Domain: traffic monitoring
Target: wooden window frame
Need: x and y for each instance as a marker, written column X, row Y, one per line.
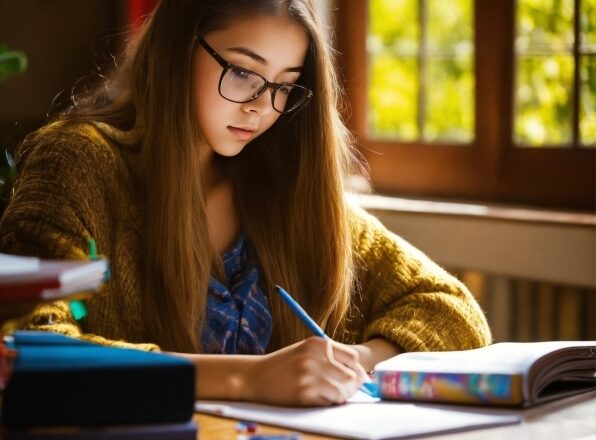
column 491, row 168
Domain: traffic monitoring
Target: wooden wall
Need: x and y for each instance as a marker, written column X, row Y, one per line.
column 63, row 39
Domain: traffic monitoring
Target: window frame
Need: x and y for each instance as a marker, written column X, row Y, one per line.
column 490, row 168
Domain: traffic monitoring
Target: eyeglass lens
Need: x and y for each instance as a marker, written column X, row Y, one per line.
column 241, row 85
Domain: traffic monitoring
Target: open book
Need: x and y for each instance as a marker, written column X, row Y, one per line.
column 28, row 278
column 506, row 373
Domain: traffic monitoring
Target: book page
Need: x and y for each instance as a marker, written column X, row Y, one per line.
column 500, row 358
column 15, row 264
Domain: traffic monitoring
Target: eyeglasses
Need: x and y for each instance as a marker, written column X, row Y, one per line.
column 241, row 85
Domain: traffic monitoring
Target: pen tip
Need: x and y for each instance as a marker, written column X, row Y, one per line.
column 370, row 388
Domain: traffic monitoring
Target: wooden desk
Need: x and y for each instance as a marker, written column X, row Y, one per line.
column 568, row 419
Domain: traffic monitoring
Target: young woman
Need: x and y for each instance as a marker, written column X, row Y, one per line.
column 209, row 167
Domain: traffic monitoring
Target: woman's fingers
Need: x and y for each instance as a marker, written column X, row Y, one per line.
column 313, row 372
column 324, row 383
column 348, row 357
column 335, row 392
column 340, row 374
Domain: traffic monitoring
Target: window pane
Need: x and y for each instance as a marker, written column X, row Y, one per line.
column 450, row 79
column 544, row 73
column 587, row 115
column 421, row 79
column 544, row 100
column 588, row 26
column 587, row 122
column 544, row 26
column 393, row 82
column 450, row 112
column 392, row 47
column 394, row 24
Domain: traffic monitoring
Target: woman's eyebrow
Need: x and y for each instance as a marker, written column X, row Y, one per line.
column 258, row 58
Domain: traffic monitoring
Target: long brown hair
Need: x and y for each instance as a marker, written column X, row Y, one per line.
column 288, row 183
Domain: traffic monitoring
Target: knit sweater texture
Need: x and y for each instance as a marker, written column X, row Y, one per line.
column 84, row 186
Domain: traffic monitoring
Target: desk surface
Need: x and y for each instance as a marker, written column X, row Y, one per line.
column 568, row 419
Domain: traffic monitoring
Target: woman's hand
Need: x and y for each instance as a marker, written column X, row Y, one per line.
column 313, row 372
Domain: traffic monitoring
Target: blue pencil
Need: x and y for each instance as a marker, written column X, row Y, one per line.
column 367, row 387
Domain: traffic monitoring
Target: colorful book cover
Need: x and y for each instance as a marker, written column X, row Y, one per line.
column 505, row 373
column 490, row 389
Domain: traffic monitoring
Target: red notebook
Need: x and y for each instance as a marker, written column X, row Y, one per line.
column 27, row 278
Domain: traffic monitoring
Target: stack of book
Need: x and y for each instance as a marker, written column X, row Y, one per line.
column 66, row 388
column 28, row 281
column 56, row 387
column 31, row 278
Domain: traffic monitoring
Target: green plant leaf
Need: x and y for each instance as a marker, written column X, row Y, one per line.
column 11, row 63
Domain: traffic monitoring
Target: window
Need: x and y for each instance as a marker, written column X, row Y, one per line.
column 478, row 100
column 555, row 71
column 421, row 73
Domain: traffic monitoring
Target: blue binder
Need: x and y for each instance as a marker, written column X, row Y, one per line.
column 60, row 381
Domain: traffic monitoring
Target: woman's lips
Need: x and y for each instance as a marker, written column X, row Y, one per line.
column 241, row 133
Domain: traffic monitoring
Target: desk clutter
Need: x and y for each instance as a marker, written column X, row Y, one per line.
column 31, row 278
column 26, row 282
column 66, row 388
column 57, row 387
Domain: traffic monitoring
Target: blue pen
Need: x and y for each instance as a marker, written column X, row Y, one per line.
column 367, row 387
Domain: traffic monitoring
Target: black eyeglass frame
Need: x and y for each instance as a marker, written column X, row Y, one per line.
column 267, row 84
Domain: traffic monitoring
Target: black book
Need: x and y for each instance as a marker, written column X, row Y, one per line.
column 62, row 381
column 153, row 431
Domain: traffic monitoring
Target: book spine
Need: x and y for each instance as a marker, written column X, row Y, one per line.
column 489, row 389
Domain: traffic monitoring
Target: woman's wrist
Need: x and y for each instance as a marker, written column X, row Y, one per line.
column 223, row 377
column 374, row 351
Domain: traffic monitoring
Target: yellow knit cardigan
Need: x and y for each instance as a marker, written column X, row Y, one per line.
column 84, row 186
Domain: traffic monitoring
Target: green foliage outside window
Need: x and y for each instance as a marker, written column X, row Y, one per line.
column 587, row 115
column 421, row 72
column 545, row 68
column 421, row 83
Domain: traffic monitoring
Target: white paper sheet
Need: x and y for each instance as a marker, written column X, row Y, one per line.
column 14, row 264
column 361, row 419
